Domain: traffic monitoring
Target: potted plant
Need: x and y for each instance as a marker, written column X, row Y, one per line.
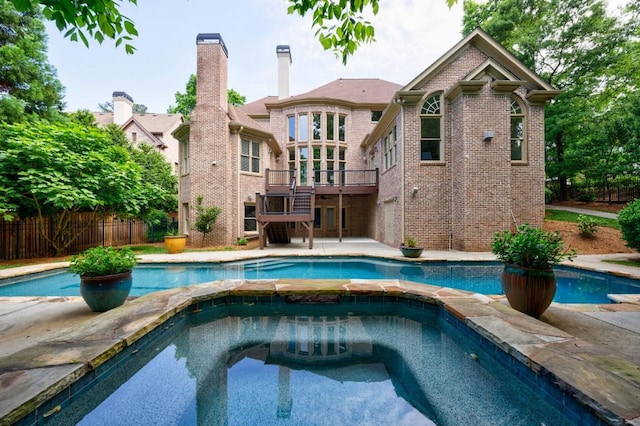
column 105, row 276
column 529, row 254
column 409, row 249
column 174, row 241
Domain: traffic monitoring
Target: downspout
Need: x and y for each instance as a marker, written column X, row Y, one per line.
column 402, row 183
column 450, row 182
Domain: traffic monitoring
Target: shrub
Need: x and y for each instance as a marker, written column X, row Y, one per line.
column 100, row 261
column 410, row 242
column 158, row 224
column 588, row 225
column 242, row 241
column 587, row 197
column 629, row 220
column 205, row 217
column 530, row 247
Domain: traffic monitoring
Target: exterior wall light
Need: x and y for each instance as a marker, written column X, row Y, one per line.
column 487, row 136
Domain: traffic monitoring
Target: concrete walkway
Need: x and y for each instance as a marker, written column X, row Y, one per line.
column 29, row 322
column 582, row 211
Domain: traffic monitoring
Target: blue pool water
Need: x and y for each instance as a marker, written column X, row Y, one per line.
column 319, row 366
column 574, row 286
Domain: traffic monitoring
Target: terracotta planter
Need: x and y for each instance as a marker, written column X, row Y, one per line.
column 105, row 292
column 529, row 291
column 175, row 243
column 411, row 251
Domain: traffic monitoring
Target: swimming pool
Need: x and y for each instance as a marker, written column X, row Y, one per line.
column 574, row 286
column 313, row 365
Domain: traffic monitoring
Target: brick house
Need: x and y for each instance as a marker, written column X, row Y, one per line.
column 154, row 129
column 448, row 159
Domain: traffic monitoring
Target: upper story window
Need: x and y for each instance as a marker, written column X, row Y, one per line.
column 303, row 127
column 317, row 126
column 375, row 116
column 331, row 126
column 250, row 156
column 184, row 158
column 518, row 146
column 342, row 128
column 389, row 149
column 292, row 127
column 431, row 129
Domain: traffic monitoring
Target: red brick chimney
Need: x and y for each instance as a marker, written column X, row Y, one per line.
column 211, row 83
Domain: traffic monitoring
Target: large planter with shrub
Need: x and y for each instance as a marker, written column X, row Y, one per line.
column 529, row 253
column 105, row 276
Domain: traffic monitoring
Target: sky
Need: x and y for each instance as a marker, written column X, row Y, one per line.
column 410, row 35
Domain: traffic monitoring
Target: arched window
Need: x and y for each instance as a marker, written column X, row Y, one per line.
column 430, row 130
column 518, row 145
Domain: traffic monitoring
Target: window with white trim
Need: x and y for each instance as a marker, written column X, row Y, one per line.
column 431, row 130
column 184, row 159
column 250, row 156
column 517, row 137
column 389, row 149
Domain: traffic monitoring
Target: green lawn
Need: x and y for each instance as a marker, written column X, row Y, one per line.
column 635, row 263
column 565, row 216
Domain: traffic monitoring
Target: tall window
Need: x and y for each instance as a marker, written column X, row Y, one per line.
column 317, row 127
column 303, row 127
column 303, row 163
column 317, row 163
column 330, row 164
column 430, row 130
column 517, row 132
column 184, row 159
column 292, row 128
column 342, row 128
column 389, row 149
column 250, row 156
column 330, row 126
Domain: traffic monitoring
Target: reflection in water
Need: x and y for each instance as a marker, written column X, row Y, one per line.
column 322, row 369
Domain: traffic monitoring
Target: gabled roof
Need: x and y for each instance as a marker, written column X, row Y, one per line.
column 502, row 65
column 257, row 108
column 150, row 124
column 247, row 125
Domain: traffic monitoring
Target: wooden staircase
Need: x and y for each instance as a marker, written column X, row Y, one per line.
column 278, row 233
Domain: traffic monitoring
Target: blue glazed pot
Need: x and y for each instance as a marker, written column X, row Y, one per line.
column 105, row 292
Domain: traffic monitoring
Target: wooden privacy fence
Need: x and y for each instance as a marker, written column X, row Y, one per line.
column 21, row 238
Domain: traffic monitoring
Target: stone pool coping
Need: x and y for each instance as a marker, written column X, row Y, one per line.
column 32, row 379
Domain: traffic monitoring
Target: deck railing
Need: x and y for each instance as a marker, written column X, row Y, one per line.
column 324, row 178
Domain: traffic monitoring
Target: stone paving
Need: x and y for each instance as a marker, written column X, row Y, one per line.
column 591, row 350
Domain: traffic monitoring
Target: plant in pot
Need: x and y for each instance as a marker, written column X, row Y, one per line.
column 105, row 276
column 529, row 254
column 174, row 241
column 409, row 249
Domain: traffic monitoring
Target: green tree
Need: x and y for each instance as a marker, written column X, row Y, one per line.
column 157, row 172
column 572, row 45
column 58, row 169
column 83, row 117
column 185, row 102
column 29, row 87
column 205, row 218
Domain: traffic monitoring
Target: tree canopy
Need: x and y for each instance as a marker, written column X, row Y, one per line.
column 29, row 87
column 185, row 102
